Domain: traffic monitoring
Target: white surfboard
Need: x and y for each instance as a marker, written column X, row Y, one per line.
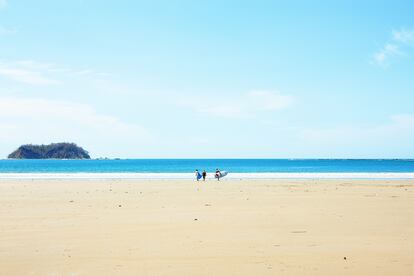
column 223, row 174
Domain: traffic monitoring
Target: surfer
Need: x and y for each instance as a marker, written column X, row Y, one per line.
column 204, row 175
column 197, row 175
column 218, row 174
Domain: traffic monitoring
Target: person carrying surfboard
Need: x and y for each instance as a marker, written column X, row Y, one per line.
column 218, row 174
column 197, row 175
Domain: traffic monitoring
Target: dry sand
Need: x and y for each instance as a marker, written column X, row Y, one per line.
column 261, row 227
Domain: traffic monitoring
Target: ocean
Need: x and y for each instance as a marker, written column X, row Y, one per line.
column 184, row 168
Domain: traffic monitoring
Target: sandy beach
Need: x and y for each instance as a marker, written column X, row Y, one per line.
column 182, row 227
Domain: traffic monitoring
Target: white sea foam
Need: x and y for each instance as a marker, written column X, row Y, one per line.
column 385, row 175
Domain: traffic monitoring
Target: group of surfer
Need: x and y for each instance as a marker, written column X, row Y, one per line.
column 203, row 175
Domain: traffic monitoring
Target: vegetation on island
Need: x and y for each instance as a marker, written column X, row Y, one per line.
column 52, row 151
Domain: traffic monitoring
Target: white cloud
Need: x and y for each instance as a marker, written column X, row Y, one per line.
column 90, row 72
column 40, row 73
column 403, row 121
column 268, row 100
column 397, row 132
column 383, row 56
column 36, row 120
column 400, row 43
column 3, row 3
column 27, row 72
column 403, row 36
column 248, row 104
column 84, row 72
column 33, row 65
column 26, row 76
column 221, row 110
column 7, row 31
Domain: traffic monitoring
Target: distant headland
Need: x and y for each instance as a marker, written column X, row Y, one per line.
column 52, row 151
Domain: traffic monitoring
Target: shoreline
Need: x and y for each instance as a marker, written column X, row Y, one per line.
column 210, row 176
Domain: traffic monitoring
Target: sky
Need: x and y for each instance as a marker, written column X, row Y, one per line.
column 209, row 79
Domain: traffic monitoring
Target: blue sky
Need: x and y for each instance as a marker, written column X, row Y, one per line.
column 217, row 79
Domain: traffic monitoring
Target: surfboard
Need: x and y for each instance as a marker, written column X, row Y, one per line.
column 223, row 174
column 199, row 176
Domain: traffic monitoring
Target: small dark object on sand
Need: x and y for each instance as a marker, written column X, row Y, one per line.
column 344, row 258
column 119, row 205
column 195, row 219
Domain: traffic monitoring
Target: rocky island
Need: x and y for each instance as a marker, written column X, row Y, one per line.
column 52, row 151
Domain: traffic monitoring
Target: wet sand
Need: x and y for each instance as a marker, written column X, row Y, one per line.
column 181, row 227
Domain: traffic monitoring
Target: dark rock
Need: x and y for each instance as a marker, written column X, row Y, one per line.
column 52, row 151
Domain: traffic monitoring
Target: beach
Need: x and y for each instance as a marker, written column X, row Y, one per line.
column 184, row 227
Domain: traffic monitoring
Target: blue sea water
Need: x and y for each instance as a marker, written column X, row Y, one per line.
column 189, row 165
